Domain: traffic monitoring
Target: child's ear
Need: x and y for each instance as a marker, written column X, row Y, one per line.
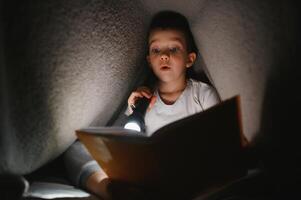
column 191, row 59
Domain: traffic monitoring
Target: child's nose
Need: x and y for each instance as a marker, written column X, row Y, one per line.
column 164, row 57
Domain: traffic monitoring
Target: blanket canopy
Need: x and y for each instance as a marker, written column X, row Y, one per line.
column 69, row 64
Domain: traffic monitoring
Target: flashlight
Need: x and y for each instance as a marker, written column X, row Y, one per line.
column 136, row 120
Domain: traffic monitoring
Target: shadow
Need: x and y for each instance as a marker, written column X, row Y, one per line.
column 277, row 146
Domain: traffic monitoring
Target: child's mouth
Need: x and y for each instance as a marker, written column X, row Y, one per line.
column 165, row 68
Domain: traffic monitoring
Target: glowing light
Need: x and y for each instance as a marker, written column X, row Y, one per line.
column 132, row 126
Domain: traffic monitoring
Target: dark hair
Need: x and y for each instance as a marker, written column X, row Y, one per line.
column 173, row 20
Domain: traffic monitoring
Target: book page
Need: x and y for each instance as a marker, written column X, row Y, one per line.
column 47, row 190
column 112, row 130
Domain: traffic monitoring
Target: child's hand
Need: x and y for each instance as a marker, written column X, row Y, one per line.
column 140, row 93
column 98, row 183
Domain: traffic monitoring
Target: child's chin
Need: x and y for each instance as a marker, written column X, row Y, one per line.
column 164, row 78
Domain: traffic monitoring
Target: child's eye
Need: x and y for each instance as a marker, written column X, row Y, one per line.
column 155, row 51
column 174, row 50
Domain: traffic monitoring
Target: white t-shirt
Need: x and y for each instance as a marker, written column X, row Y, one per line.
column 196, row 97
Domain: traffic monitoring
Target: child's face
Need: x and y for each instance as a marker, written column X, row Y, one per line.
column 168, row 56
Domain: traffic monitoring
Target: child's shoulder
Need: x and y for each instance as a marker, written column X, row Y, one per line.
column 200, row 88
column 205, row 93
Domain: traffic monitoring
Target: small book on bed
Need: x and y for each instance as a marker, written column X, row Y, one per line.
column 192, row 154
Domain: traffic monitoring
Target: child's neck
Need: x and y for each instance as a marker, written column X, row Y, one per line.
column 170, row 91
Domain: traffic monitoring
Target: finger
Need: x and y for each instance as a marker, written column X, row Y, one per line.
column 146, row 94
column 152, row 102
column 145, row 91
column 133, row 97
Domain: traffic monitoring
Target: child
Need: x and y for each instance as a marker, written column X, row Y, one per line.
column 171, row 54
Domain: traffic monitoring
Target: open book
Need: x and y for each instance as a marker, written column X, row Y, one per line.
column 190, row 155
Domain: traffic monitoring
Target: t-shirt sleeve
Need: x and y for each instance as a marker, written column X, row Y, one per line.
column 79, row 164
column 209, row 97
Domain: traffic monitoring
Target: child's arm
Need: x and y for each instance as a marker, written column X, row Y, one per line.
column 84, row 172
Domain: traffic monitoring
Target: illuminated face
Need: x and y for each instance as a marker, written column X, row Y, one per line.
column 168, row 56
